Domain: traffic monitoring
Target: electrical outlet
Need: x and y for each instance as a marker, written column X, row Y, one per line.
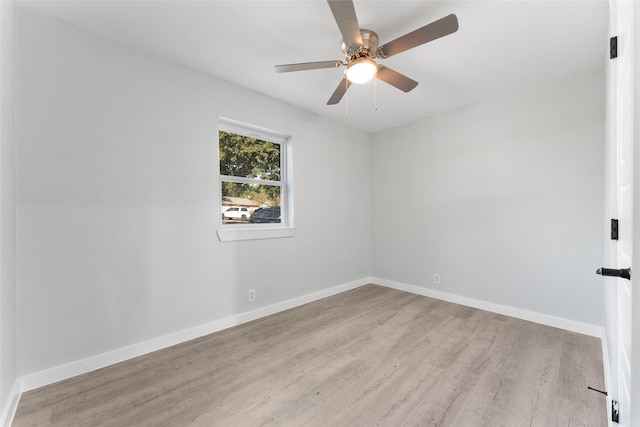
column 436, row 279
column 252, row 295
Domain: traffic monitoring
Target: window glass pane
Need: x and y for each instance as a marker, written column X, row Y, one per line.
column 248, row 157
column 239, row 201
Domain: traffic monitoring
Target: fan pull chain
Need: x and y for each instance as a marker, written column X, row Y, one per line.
column 346, row 99
column 375, row 92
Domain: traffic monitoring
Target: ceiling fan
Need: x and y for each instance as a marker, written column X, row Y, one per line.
column 360, row 47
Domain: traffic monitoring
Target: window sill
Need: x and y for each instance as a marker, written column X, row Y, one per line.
column 233, row 234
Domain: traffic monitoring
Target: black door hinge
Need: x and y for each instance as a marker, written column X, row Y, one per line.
column 614, row 229
column 613, row 47
column 615, row 411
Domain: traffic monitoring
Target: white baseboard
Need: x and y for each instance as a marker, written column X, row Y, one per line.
column 59, row 373
column 544, row 319
column 11, row 405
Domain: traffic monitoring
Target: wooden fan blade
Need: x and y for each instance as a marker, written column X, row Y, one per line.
column 339, row 92
column 395, row 79
column 435, row 30
column 345, row 16
column 286, row 68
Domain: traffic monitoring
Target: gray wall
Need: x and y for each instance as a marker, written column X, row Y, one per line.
column 503, row 199
column 8, row 337
column 117, row 206
column 117, row 209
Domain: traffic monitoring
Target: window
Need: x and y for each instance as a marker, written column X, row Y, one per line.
column 256, row 199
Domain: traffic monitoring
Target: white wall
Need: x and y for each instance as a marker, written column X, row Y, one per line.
column 8, row 337
column 504, row 200
column 117, row 206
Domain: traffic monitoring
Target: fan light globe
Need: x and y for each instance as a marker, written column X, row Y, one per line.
column 361, row 70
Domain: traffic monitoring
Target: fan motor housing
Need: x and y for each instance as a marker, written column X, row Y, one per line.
column 367, row 50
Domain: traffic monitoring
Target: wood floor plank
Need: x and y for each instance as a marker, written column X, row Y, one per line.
column 370, row 356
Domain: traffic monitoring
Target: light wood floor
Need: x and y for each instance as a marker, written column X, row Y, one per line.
column 370, row 356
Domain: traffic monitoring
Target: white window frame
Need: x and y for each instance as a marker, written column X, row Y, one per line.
column 234, row 232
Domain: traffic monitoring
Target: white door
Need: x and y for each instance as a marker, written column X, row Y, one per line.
column 619, row 254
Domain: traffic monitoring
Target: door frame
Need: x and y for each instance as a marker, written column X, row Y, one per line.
column 610, row 255
column 635, row 300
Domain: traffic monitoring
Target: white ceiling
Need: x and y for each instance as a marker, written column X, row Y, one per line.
column 501, row 47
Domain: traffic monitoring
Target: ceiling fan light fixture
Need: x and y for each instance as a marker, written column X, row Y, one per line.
column 361, row 70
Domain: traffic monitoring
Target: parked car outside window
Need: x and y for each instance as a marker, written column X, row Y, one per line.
column 237, row 213
column 265, row 215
